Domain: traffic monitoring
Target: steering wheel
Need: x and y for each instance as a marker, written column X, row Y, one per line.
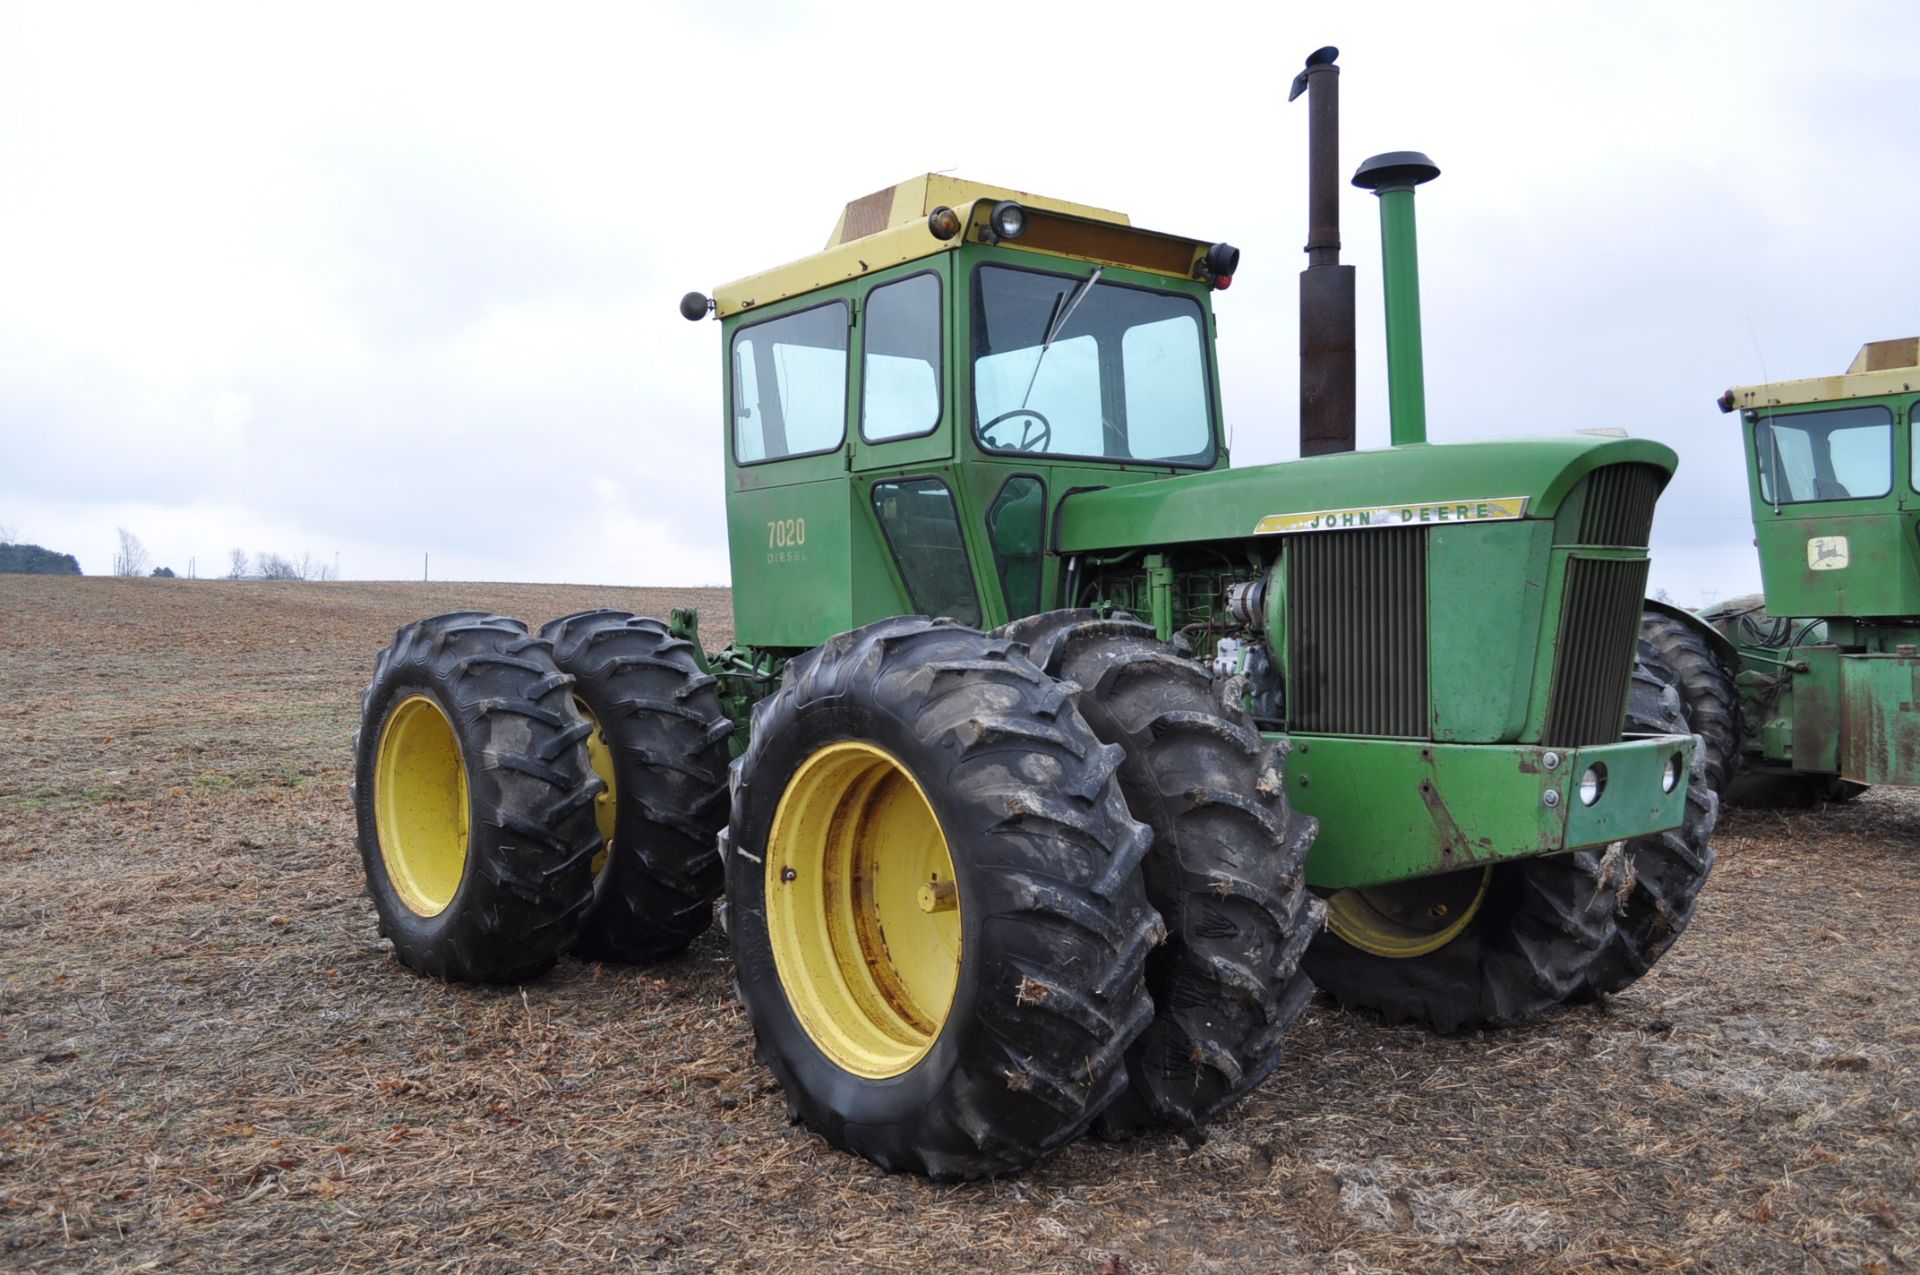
column 1034, row 438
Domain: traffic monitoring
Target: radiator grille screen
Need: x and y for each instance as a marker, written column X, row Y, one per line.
column 1619, row 509
column 1593, row 660
column 1357, row 632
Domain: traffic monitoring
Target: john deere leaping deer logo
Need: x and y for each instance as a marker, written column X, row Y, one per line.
column 1827, row 553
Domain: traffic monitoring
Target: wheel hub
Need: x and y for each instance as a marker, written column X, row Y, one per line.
column 863, row 909
column 1409, row 918
column 420, row 805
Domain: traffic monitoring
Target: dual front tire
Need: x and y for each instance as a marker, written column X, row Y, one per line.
column 1122, row 948
column 939, row 925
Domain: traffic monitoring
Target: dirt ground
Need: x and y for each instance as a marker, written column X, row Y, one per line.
column 209, row 1060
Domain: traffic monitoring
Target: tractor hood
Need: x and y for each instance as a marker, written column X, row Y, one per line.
column 1496, row 480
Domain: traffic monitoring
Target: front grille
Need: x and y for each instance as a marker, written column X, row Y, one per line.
column 1619, row 508
column 1357, row 632
column 1593, row 660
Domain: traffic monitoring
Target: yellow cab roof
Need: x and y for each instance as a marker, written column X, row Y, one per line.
column 1881, row 367
column 889, row 227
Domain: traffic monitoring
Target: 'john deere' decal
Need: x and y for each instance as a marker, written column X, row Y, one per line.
column 1504, row 509
column 1827, row 553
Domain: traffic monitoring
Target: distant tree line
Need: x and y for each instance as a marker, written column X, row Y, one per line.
column 273, row 566
column 132, row 559
column 32, row 560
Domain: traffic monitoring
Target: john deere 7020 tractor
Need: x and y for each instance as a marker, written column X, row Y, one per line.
column 1013, row 770
column 1806, row 693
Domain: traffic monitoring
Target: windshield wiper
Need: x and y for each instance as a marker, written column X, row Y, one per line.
column 1058, row 322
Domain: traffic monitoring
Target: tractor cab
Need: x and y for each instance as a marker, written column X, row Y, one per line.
column 1834, row 481
column 916, row 400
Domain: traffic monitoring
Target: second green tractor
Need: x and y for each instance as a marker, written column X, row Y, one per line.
column 1807, row 693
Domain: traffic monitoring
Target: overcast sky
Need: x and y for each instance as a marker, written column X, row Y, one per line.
column 395, row 279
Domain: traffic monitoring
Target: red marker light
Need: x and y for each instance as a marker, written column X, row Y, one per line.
column 1223, row 281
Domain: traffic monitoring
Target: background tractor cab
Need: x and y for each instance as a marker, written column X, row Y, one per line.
column 1806, row 692
column 1835, row 486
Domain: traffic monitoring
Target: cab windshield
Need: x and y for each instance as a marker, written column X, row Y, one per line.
column 1124, row 377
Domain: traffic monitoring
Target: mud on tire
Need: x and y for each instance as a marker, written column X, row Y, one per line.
column 1054, row 927
column 490, row 889
column 661, row 720
column 1225, row 871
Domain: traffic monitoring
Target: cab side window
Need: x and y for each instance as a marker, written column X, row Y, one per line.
column 900, row 372
column 790, row 385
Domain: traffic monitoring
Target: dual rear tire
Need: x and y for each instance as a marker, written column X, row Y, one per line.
column 519, row 796
column 474, row 800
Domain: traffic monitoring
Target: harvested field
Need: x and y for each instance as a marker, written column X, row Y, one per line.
column 209, row 1061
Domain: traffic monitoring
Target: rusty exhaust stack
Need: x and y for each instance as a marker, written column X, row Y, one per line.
column 1326, row 286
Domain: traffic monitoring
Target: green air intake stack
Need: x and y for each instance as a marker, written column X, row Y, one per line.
column 1392, row 177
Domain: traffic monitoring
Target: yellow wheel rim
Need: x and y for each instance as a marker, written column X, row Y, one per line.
column 420, row 805
column 1410, row 918
column 600, row 757
column 863, row 909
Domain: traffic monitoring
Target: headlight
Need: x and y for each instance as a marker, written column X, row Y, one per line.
column 1593, row 782
column 1222, row 263
column 1670, row 777
column 1008, row 219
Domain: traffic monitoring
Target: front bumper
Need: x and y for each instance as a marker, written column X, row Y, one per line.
column 1392, row 809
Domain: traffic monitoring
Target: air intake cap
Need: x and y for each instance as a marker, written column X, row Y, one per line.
column 1395, row 170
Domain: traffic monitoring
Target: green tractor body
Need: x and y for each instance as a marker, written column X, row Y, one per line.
column 1825, row 664
column 1053, row 762
column 1444, row 631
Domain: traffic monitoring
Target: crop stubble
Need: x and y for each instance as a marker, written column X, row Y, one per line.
column 208, row 1059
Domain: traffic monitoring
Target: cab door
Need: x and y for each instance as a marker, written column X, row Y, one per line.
column 902, row 440
column 903, row 403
